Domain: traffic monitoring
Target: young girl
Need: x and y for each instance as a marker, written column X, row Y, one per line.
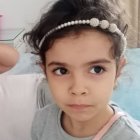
column 82, row 44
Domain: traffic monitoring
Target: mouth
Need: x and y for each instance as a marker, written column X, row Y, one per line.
column 79, row 106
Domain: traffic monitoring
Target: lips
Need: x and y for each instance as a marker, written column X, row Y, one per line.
column 79, row 106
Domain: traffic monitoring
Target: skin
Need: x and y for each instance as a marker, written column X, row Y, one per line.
column 8, row 57
column 81, row 75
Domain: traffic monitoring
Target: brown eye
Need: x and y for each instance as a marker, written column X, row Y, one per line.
column 60, row 71
column 97, row 69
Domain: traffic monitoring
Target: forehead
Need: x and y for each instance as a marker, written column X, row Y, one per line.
column 86, row 44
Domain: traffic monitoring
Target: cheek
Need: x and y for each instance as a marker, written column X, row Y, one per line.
column 109, row 85
column 55, row 92
column 56, row 83
column 57, row 88
column 104, row 88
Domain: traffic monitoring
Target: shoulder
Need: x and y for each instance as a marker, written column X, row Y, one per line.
column 125, row 127
column 51, row 108
column 48, row 111
column 42, row 117
column 131, row 125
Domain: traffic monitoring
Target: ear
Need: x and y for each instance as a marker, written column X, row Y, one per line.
column 121, row 64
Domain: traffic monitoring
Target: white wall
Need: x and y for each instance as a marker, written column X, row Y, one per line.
column 21, row 13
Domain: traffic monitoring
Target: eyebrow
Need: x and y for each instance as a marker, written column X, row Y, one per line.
column 57, row 63
column 98, row 61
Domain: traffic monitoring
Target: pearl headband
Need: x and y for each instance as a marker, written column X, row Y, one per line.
column 93, row 22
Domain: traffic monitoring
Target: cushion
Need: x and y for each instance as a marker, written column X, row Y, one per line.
column 17, row 105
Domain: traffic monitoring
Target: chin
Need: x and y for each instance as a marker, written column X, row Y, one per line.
column 81, row 117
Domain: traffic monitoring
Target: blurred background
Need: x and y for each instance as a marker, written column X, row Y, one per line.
column 24, row 13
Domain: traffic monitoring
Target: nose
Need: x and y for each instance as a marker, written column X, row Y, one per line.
column 78, row 87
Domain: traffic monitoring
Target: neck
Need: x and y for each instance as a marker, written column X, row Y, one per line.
column 87, row 128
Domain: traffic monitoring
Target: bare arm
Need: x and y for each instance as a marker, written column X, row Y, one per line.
column 8, row 57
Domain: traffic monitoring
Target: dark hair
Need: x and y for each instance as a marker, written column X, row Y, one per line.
column 67, row 10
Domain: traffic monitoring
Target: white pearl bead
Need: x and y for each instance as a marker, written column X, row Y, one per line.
column 62, row 26
column 87, row 21
column 104, row 24
column 76, row 22
column 113, row 27
column 80, row 21
column 72, row 23
column 94, row 22
column 65, row 24
column 84, row 22
column 59, row 27
column 68, row 24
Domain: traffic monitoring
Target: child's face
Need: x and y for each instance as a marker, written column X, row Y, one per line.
column 81, row 74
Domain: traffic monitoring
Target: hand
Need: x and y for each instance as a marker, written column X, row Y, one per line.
column 8, row 57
